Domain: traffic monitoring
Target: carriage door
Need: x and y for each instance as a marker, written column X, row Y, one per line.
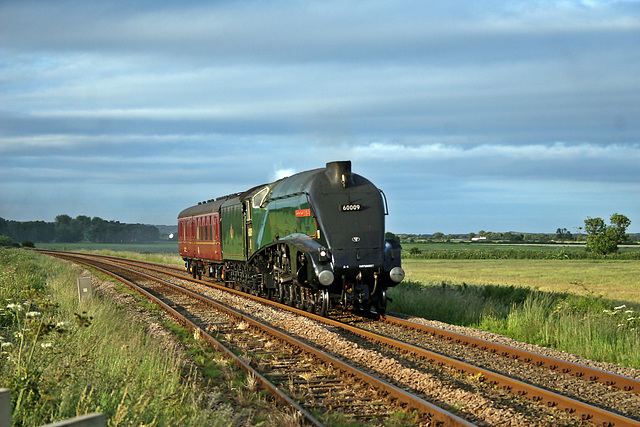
column 248, row 243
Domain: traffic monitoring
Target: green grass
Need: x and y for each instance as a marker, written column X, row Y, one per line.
column 151, row 248
column 164, row 258
column 74, row 358
column 617, row 280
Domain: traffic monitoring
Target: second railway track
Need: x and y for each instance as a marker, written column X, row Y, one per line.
column 475, row 393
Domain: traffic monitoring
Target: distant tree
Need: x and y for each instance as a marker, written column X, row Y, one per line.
column 513, row 237
column 562, row 234
column 67, row 230
column 604, row 239
column 28, row 244
column 390, row 235
column 415, row 250
column 5, row 241
column 493, row 236
column 438, row 236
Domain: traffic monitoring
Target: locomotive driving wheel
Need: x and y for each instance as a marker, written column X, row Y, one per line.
column 381, row 303
column 321, row 306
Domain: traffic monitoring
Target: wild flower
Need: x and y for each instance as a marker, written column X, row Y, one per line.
column 620, row 307
column 46, row 344
column 7, row 346
column 33, row 314
column 14, row 307
column 62, row 327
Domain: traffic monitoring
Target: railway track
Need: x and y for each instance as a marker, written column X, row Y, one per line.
column 559, row 408
column 294, row 372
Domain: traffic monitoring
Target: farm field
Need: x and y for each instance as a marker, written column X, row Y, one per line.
column 152, row 248
column 618, row 280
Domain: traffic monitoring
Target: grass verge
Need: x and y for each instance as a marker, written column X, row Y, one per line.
column 60, row 359
column 593, row 327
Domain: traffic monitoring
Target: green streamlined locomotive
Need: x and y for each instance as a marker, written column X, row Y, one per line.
column 312, row 240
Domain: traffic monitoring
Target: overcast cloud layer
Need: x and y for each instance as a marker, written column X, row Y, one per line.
column 470, row 115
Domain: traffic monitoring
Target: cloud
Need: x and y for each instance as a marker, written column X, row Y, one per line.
column 451, row 108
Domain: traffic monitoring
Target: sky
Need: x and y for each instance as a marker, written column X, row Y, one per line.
column 469, row 115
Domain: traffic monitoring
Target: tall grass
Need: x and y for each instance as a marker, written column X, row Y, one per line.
column 70, row 359
column 592, row 327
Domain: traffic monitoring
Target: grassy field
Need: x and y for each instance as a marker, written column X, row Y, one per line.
column 617, row 280
column 152, row 248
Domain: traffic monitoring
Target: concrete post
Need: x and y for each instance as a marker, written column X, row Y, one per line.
column 85, row 288
column 5, row 407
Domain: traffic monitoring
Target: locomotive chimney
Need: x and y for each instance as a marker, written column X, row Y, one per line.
column 339, row 172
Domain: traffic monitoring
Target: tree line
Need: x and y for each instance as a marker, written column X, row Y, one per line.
column 80, row 229
column 600, row 238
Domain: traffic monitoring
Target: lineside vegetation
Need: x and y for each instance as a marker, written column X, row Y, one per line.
column 587, row 307
column 60, row 359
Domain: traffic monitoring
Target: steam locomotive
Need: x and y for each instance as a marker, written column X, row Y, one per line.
column 314, row 240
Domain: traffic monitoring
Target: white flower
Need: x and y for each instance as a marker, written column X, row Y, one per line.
column 16, row 307
column 7, row 345
column 629, row 311
column 620, row 307
column 64, row 326
column 33, row 314
column 46, row 345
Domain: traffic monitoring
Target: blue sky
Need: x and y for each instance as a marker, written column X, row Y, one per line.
column 470, row 115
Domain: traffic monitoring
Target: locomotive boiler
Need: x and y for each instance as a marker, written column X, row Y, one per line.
column 313, row 240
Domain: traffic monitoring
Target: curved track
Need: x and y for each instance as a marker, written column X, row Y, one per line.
column 358, row 394
column 550, row 398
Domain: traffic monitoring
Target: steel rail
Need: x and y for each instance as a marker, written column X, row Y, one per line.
column 441, row 416
column 536, row 394
column 564, row 366
column 203, row 335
